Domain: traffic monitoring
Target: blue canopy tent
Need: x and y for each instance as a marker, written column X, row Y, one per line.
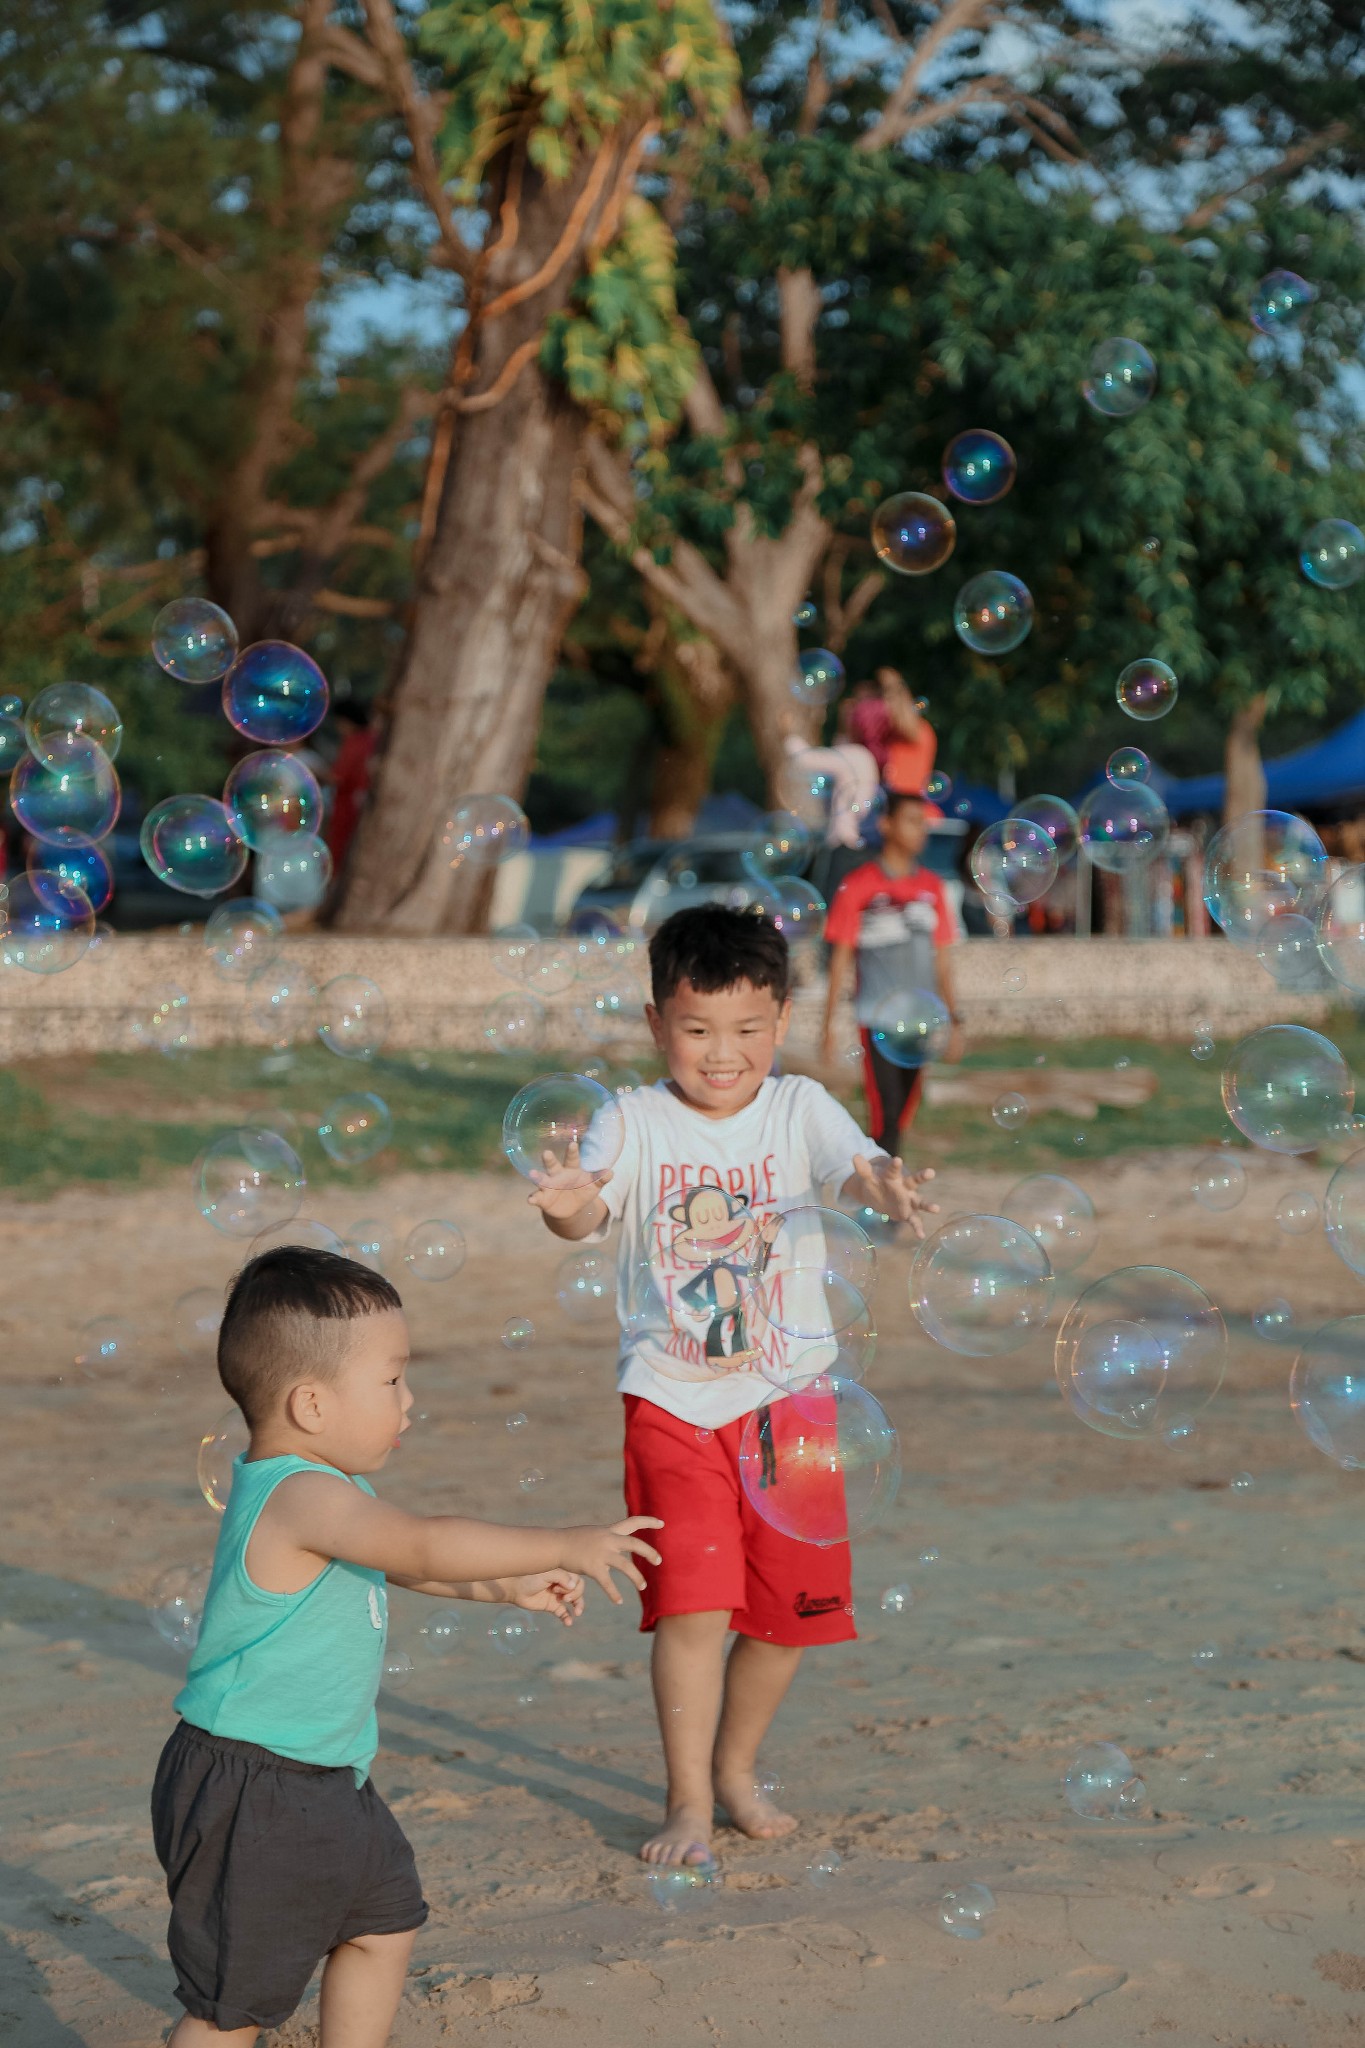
column 1322, row 775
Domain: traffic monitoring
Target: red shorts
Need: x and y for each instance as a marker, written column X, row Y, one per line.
column 717, row 1550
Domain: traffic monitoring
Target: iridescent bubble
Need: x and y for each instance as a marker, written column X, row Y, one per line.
column 1327, row 1391
column 1287, row 948
column 193, row 640
column 1122, row 378
column 190, row 843
column 515, row 1023
column 1202, row 1047
column 272, row 795
column 369, row 1244
column 1055, row 817
column 818, row 677
column 611, row 1016
column 355, row 1128
column 978, row 468
column 682, row 1885
column 1013, row 862
column 1287, row 1088
column 562, row 1121
column 824, row 1868
column 1259, row 867
column 175, row 1605
column 248, row 1180
column 1343, row 1212
column 518, row 1333
column 1333, row 554
column 913, row 533
column 293, row 872
column 1010, row 1111
column 585, row 1286
column 1123, row 826
column 804, row 615
column 1297, row 1212
column 911, row 1029
column 897, row 1600
column 1147, row 689
column 603, row 957
column 194, row 1323
column 87, row 867
column 107, row 1348
column 397, row 1666
column 939, row 787
column 306, row 1232
column 274, row 694
column 781, row 845
column 67, row 710
column 434, row 1250
column 1100, row 1781
column 964, row 1911
column 484, row 830
column 71, row 800
column 163, row 1022
column 981, row 1285
column 281, row 998
column 797, row 909
column 1059, row 1214
column 815, row 1273
column 219, row 1449
column 13, row 744
column 512, row 1633
column 439, row 1631
column 1205, row 1653
column 1140, row 1353
column 1340, row 929
column 352, row 1016
column 1280, row 300
column 515, row 948
column 993, row 612
column 1128, row 764
column 553, row 969
column 1219, row 1182
column 823, row 1465
column 46, row 923
column 241, row 936
column 1273, row 1321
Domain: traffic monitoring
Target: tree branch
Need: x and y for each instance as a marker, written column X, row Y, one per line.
column 334, row 524
column 1284, row 167
column 799, row 303
column 484, row 401
column 353, row 607
column 420, row 121
column 817, row 78
column 957, row 17
column 568, row 240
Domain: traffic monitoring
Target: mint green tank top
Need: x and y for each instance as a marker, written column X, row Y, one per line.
column 294, row 1672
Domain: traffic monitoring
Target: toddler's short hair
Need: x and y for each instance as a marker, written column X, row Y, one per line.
column 275, row 1328
column 714, row 947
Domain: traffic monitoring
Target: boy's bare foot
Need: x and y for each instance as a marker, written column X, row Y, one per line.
column 750, row 1810
column 685, row 1837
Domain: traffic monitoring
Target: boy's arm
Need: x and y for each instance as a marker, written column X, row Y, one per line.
column 840, row 966
column 567, row 1196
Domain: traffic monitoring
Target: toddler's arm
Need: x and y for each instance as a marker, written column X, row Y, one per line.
column 553, row 1592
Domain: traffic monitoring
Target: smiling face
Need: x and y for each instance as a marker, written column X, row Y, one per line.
column 356, row 1418
column 711, row 1223
column 719, row 1047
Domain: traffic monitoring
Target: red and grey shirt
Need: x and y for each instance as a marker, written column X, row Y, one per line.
column 894, row 924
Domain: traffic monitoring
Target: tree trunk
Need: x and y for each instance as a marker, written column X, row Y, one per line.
column 697, row 694
column 1244, row 776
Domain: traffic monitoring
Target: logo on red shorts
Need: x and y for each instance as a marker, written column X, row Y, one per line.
column 808, row 1605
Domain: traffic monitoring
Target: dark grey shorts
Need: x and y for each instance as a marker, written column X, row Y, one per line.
column 270, row 1864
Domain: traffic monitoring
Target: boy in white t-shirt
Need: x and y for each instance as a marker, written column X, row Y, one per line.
column 713, row 1158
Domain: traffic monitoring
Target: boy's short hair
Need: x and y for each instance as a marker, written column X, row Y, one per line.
column 892, row 799
column 715, row 947
column 275, row 1329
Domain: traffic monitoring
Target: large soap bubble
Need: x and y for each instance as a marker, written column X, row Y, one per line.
column 1058, row 1213
column 46, row 922
column 1141, row 1352
column 1288, row 1089
column 13, row 743
column 241, row 936
column 1101, row 1784
column 978, row 466
column 274, row 694
column 1332, row 554
column 1280, row 300
column 352, row 1016
column 1287, row 948
column 912, row 1028
column 193, row 640
column 981, row 1285
column 1343, row 1212
column 88, row 867
column 563, row 1120
column 484, row 830
column 815, row 1278
column 817, row 678
column 1121, row 379
column 1014, row 862
column 993, row 612
column 913, row 533
column 691, row 1305
column 293, row 870
column 191, row 844
column 1147, row 689
column 248, row 1181
column 1261, row 866
column 70, row 799
column 66, row 710
column 1327, row 1391
column 280, row 998
column 822, row 1465
column 781, row 845
column 272, row 795
column 355, row 1128
column 1056, row 817
column 1123, row 826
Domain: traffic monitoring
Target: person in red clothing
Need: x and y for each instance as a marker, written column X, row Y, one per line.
column 891, row 922
column 883, row 717
column 350, row 779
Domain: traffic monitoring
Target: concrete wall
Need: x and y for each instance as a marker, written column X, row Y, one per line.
column 439, row 990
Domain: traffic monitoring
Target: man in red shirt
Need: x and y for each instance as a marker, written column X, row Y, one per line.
column 892, row 922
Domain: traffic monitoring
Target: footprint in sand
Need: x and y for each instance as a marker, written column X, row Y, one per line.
column 1232, row 1881
column 1056, row 1998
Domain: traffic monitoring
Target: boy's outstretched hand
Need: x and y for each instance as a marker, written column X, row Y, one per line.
column 886, row 1187
column 556, row 1592
column 565, row 1191
column 597, row 1553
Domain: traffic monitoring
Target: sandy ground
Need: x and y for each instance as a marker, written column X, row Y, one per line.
column 1075, row 1579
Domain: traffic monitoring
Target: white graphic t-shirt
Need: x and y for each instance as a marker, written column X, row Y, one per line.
column 700, row 1201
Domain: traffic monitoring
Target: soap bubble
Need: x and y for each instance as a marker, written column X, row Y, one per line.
column 818, row 677
column 352, row 1016
column 193, row 640
column 368, row 1242
column 13, row 744
column 293, row 872
column 272, row 795
column 88, row 868
column 1332, row 554
column 248, row 1180
column 978, row 468
column 1280, row 300
column 434, row 1249
column 1273, row 1321
column 1340, row 929
column 1297, row 1212
column 585, row 1286
column 993, row 612
column 1141, row 1352
column 518, row 1333
column 191, row 844
column 680, row 1885
column 1286, row 1088
column 439, row 1630
column 797, row 910
column 512, row 1633
column 355, row 1128
column 515, row 1023
column 46, row 923
column 964, row 1910
column 281, row 998
column 69, row 800
column 1327, row 1391
column 1010, row 1111
column 1343, row 1211
column 1202, row 1046
column 781, row 846
column 912, row 1028
column 515, row 948
column 164, row 1023
column 822, row 1465
column 981, row 1285
column 64, row 711
column 1123, row 826
column 897, row 1600
column 558, row 1115
column 304, row 1231
column 1059, row 1214
column 806, row 788
column 552, row 969
column 219, row 1449
column 274, row 694
column 611, row 1016
column 1101, row 1784
column 1147, row 689
column 1122, row 378
column 1287, row 948
column 484, row 830
column 1219, row 1181
column 804, row 615
column 194, row 1323
column 176, row 1604
column 398, row 1666
column 1128, row 764
column 824, row 1868
column 815, row 1268
column 939, row 787
column 602, row 957
column 241, row 936
column 1055, row 817
column 913, row 533
column 107, row 1348
column 1014, row 862
column 692, row 1300
column 1262, row 866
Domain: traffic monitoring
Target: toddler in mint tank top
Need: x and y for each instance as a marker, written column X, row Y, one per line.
column 278, row 1851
